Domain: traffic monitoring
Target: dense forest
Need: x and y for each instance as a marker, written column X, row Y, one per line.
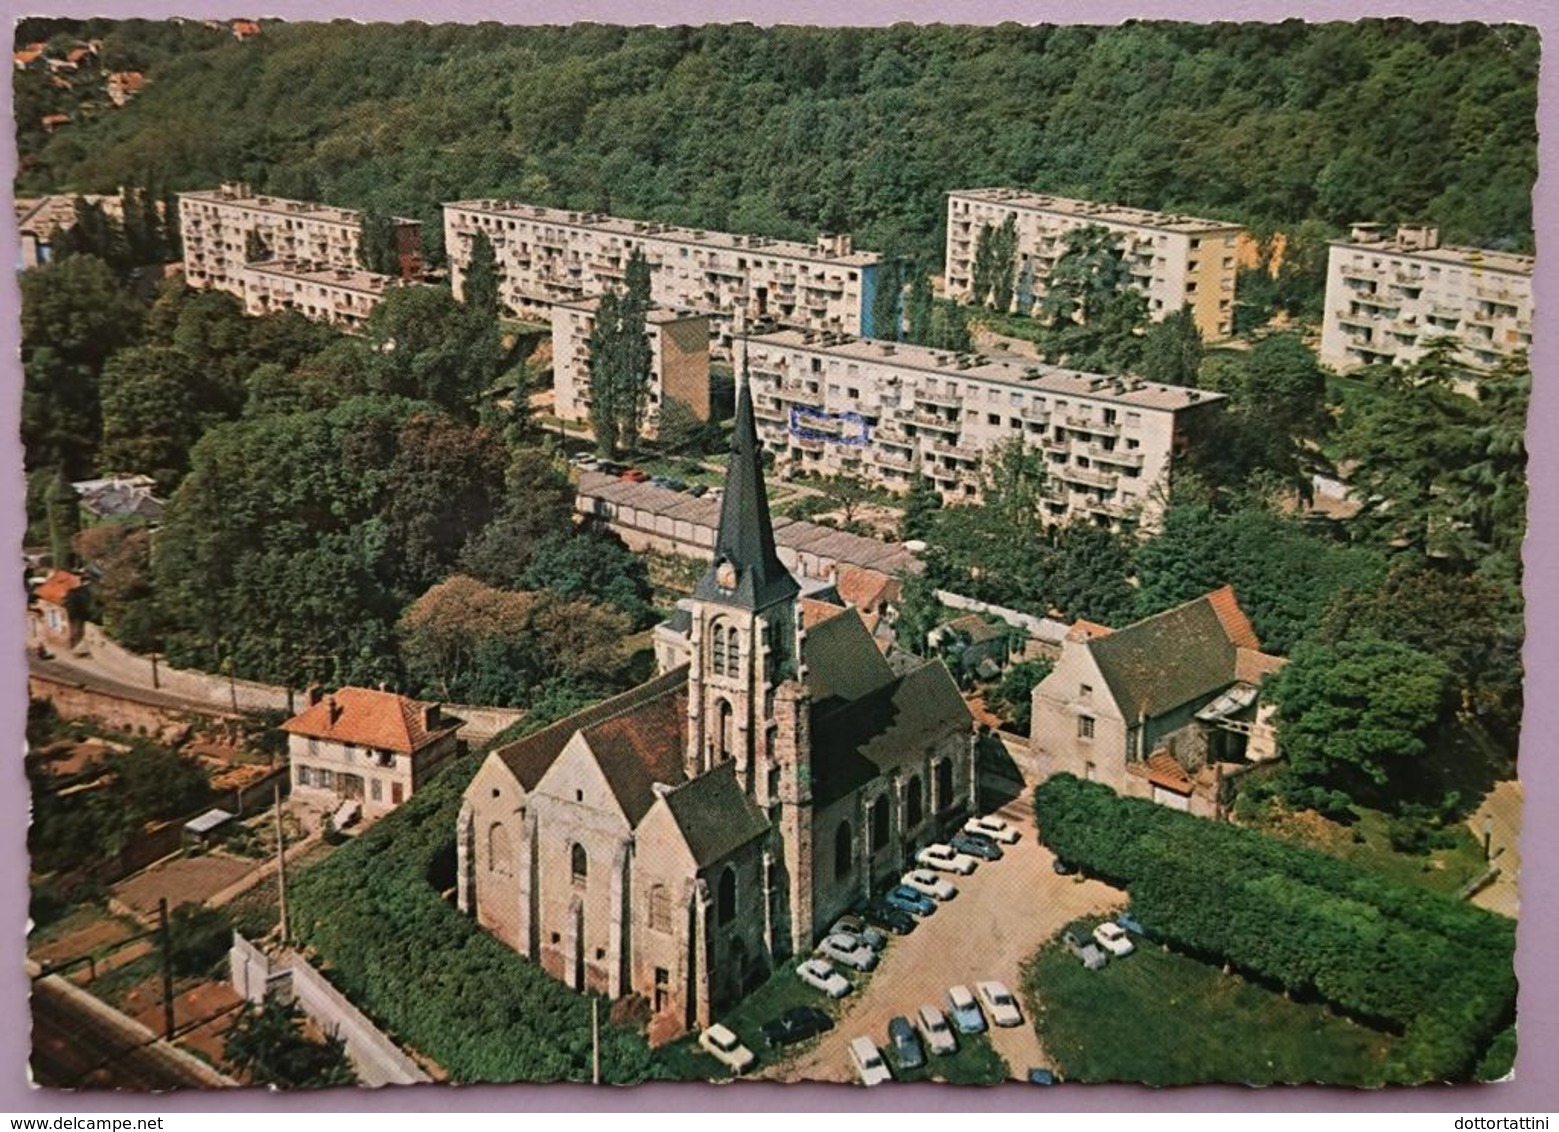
column 789, row 131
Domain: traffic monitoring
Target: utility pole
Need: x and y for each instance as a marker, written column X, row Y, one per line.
column 595, row 1040
column 153, row 656
column 167, row 967
column 281, row 867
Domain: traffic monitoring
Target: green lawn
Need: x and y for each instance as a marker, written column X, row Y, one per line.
column 1367, row 843
column 975, row 1063
column 1160, row 1018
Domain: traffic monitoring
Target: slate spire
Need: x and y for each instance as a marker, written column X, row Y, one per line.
column 746, row 571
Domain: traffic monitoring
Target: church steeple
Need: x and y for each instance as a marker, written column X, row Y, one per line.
column 746, row 571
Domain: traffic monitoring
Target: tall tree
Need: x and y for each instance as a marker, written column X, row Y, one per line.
column 1172, row 350
column 268, row 1046
column 481, row 281
column 64, row 521
column 152, row 413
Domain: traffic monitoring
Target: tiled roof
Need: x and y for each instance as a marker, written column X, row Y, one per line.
column 866, row 589
column 1238, row 627
column 1251, row 666
column 715, row 814
column 815, row 612
column 58, row 586
column 842, row 659
column 366, row 717
column 640, row 747
column 854, row 741
column 528, row 759
column 977, row 628
column 1087, row 630
column 1167, row 660
column 1164, row 771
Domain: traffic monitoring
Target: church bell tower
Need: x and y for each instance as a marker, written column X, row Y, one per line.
column 745, row 633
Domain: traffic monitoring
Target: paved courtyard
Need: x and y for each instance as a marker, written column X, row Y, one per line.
column 1003, row 912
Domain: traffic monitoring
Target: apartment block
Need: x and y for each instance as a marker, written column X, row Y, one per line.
column 1389, row 296
column 342, row 296
column 888, row 413
column 1175, row 261
column 548, row 255
column 215, row 225
column 679, row 360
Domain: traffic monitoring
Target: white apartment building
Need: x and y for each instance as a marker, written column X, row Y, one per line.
column 342, row 296
column 215, row 224
column 1388, row 297
column 679, row 361
column 889, row 413
column 1175, row 261
column 549, row 255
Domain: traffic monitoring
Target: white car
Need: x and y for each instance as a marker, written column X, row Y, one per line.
column 726, row 1048
column 999, row 1003
column 994, row 828
column 820, row 974
column 934, row 1028
column 869, row 1065
column 1113, row 938
column 946, row 858
column 848, row 950
column 927, row 882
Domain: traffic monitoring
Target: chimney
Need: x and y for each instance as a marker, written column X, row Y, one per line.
column 432, row 717
column 334, row 708
column 312, row 694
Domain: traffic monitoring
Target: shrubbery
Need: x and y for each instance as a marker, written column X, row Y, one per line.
column 1418, row 962
column 431, row 975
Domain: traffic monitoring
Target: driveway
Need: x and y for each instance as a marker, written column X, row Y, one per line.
column 1500, row 814
column 1002, row 914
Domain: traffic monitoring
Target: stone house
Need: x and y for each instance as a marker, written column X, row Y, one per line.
column 1167, row 708
column 366, row 746
column 58, row 616
column 680, row 840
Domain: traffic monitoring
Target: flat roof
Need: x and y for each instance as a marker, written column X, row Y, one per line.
column 281, row 206
column 1485, row 259
column 655, row 230
column 657, row 314
column 1031, row 376
column 346, row 278
column 39, row 216
column 1096, row 210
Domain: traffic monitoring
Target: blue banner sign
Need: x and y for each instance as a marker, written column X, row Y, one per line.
column 833, row 428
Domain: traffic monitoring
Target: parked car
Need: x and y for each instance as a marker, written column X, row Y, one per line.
column 1113, row 938
column 795, row 1025
column 1086, row 950
column 946, row 858
column 610, row 467
column 890, row 918
column 1062, row 869
column 858, row 927
column 1042, row 1076
column 928, row 883
column 905, row 1043
column 934, row 1027
column 698, row 490
column 1131, row 923
column 994, row 828
column 965, row 1011
column 907, row 899
column 820, row 974
column 848, row 951
column 726, row 1048
column 584, row 461
column 660, row 481
column 976, row 845
column 634, row 475
column 675, row 484
column 869, row 1065
column 999, row 1003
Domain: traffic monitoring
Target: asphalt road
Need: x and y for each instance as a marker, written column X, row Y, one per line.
column 1003, row 912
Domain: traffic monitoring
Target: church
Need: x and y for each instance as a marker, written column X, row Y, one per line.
column 682, row 839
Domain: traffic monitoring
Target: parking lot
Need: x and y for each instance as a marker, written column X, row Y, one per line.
column 1003, row 912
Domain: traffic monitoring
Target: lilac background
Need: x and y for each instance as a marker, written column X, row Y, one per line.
column 1538, row 1063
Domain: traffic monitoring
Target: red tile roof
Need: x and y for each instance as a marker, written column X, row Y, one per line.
column 815, row 612
column 23, row 58
column 368, row 718
column 58, row 586
column 864, row 588
column 1238, row 627
column 1087, row 630
column 1164, row 771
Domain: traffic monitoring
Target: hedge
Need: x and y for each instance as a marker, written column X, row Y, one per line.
column 429, row 974
column 1439, row 971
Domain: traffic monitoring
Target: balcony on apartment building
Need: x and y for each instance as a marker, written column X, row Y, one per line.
column 956, row 451
column 930, row 420
column 939, row 400
column 1098, row 428
column 1116, row 456
column 888, row 458
column 1090, row 477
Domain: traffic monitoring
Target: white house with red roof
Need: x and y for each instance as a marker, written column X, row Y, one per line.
column 365, row 746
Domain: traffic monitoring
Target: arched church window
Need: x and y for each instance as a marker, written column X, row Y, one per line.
column 725, row 910
column 944, row 783
column 579, row 864
column 844, row 850
column 660, row 908
column 880, row 823
column 717, row 653
column 500, row 853
column 733, row 652
column 913, row 803
column 724, row 740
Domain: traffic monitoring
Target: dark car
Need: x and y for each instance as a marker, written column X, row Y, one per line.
column 796, row 1025
column 698, row 490
column 905, row 1043
column 1062, row 868
column 1039, row 1076
column 892, row 919
column 976, row 846
column 907, row 899
column 1131, row 923
column 611, row 468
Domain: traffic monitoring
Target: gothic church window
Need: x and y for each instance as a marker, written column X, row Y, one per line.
column 579, row 864
column 844, row 850
column 717, row 654
column 733, row 652
column 725, row 910
column 660, row 908
column 913, row 809
column 880, row 823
